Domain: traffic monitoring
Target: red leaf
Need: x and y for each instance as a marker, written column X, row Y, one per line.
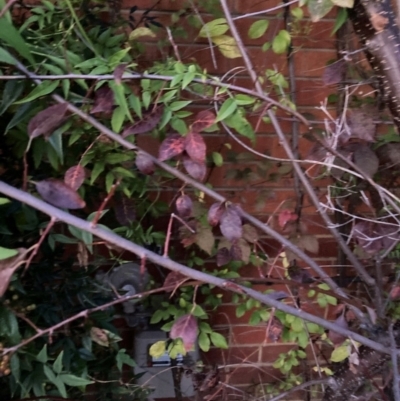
column 337, row 338
column 103, row 100
column 231, row 224
column 146, row 124
column 47, row 120
column 214, row 213
column 223, row 257
column 185, row 328
column 196, row 170
column 285, row 216
column 144, row 163
column 171, row 146
column 236, row 251
column 204, row 119
column 124, row 210
column 195, row 147
column 75, row 176
column 118, row 72
column 59, row 194
column 184, row 206
column 395, row 293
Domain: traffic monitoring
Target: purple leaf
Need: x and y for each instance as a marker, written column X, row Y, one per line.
column 59, row 194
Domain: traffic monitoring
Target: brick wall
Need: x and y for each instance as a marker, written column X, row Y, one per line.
column 251, row 353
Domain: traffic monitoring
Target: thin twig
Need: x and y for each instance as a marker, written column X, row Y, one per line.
column 105, row 201
column 173, row 44
column 39, row 243
column 6, row 7
column 268, row 10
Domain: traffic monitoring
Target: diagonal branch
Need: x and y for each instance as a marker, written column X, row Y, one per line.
column 169, row 264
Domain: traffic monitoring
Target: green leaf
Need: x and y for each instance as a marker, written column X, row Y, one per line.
column 11, row 35
column 258, row 28
column 227, row 46
column 158, row 315
column 204, row 341
column 213, row 28
column 238, row 122
column 97, row 170
column 281, row 42
column 244, row 100
column 117, row 119
column 118, row 56
column 341, row 18
column 12, row 90
column 49, row 374
column 218, row 340
column 134, row 102
column 297, row 325
column 198, row 311
column 42, row 89
column 227, row 109
column 6, row 253
column 158, row 349
column 74, row 381
column 15, row 367
column 57, row 365
column 187, row 79
column 61, row 387
column 180, row 104
column 122, row 358
column 302, row 339
column 340, row 353
column 6, row 57
column 42, row 355
column 344, row 3
column 319, row 8
column 120, row 98
column 297, row 12
column 140, row 32
column 217, row 159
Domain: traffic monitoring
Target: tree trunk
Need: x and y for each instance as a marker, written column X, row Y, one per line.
column 375, row 25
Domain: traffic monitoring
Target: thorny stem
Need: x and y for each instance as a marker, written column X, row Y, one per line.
column 355, row 262
column 169, row 264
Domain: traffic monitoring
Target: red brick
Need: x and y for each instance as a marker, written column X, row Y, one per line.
column 270, row 353
column 233, row 355
column 251, row 375
column 311, row 63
